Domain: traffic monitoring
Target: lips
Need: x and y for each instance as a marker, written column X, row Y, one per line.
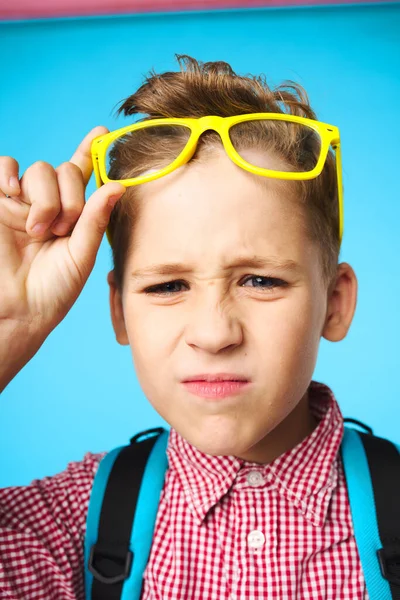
column 213, row 377
column 217, row 388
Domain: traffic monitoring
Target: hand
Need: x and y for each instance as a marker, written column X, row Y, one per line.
column 49, row 239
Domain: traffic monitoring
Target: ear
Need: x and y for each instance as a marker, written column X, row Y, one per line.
column 117, row 311
column 342, row 302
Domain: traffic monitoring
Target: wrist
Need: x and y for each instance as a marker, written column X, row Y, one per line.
column 18, row 344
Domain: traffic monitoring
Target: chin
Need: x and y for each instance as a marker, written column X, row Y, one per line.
column 215, row 435
column 215, row 448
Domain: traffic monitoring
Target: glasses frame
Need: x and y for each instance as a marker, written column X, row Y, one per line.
column 329, row 135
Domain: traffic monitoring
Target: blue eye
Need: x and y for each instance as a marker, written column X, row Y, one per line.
column 164, row 289
column 268, row 283
column 169, row 288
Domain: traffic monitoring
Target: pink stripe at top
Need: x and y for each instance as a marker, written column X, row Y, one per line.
column 35, row 9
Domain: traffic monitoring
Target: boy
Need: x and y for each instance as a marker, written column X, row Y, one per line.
column 224, row 281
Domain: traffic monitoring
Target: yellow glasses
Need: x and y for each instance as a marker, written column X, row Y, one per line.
column 240, row 136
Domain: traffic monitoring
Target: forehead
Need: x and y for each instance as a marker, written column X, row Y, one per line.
column 213, row 174
column 212, row 203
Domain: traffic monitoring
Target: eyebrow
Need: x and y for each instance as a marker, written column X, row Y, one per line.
column 255, row 262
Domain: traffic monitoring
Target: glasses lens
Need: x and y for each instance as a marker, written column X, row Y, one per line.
column 149, row 149
column 277, row 145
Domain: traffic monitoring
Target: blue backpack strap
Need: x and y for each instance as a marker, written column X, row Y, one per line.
column 109, row 483
column 371, row 467
column 145, row 515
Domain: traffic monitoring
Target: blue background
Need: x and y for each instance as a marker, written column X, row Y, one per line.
column 60, row 78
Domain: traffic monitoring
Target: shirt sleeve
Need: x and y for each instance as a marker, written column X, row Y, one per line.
column 42, row 529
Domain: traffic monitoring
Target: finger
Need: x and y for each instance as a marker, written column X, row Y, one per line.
column 72, row 196
column 13, row 212
column 9, row 181
column 40, row 187
column 82, row 157
column 89, row 230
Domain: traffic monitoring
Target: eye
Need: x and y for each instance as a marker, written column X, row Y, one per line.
column 169, row 288
column 267, row 283
column 164, row 289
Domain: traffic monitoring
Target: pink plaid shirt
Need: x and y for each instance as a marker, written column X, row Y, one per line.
column 226, row 528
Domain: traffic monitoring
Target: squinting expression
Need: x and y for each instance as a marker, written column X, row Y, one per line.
column 223, row 279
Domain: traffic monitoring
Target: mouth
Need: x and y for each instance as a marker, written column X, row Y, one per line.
column 216, row 388
column 216, row 377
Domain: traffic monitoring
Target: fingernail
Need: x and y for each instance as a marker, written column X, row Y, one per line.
column 39, row 228
column 13, row 182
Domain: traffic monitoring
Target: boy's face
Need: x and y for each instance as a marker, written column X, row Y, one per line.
column 262, row 323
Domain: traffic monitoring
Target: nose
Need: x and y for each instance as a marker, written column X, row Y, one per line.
column 213, row 323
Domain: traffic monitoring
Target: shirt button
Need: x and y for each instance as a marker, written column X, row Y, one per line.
column 256, row 539
column 254, row 478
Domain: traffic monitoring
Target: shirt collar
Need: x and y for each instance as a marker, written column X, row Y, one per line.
column 306, row 475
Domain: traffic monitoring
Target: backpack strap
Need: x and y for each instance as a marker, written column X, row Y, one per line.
column 121, row 517
column 372, row 470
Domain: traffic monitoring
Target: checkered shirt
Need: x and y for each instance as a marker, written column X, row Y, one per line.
column 226, row 529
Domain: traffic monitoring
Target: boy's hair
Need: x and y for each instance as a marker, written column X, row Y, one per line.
column 213, row 88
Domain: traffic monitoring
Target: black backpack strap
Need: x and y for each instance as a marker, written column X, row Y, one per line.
column 110, row 558
column 384, row 465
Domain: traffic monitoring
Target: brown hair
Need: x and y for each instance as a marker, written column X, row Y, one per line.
column 213, row 88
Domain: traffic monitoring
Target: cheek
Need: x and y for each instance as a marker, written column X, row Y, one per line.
column 151, row 336
column 154, row 327
column 290, row 337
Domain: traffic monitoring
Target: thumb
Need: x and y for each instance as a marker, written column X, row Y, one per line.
column 88, row 232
